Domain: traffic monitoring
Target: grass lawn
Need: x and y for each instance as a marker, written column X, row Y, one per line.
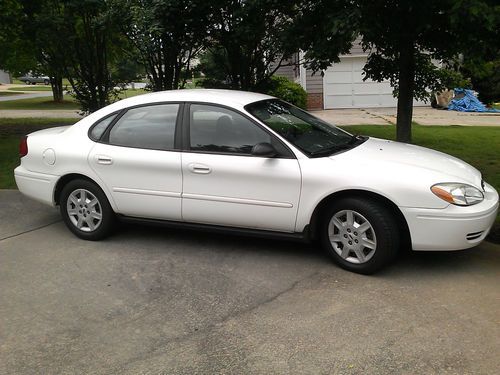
column 131, row 92
column 31, row 88
column 47, row 102
column 7, row 93
column 40, row 104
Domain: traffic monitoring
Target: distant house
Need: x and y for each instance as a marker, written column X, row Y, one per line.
column 5, row 77
column 341, row 85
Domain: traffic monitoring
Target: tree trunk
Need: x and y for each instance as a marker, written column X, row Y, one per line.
column 405, row 96
column 57, row 88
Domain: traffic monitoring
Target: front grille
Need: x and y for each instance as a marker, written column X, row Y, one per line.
column 474, row 235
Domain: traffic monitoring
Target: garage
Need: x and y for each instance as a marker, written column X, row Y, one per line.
column 344, row 87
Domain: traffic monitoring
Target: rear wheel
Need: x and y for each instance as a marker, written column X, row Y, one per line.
column 86, row 210
column 360, row 235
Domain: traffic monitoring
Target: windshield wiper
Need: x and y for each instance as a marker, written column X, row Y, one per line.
column 354, row 141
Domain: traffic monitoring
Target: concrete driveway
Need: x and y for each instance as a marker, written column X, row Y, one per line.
column 158, row 301
column 421, row 115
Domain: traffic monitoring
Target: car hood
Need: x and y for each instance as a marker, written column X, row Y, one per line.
column 384, row 153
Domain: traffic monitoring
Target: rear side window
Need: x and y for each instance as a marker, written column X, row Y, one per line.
column 151, row 127
column 99, row 129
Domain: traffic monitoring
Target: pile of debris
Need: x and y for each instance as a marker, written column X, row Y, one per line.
column 466, row 101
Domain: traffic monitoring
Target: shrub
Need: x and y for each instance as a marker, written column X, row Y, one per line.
column 283, row 88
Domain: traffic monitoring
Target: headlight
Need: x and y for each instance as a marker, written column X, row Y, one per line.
column 459, row 194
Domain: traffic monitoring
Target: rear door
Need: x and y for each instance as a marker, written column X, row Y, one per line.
column 139, row 162
column 224, row 184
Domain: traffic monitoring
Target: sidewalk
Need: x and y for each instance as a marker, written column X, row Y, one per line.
column 421, row 115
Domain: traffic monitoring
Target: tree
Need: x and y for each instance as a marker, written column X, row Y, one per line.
column 166, row 35
column 248, row 41
column 30, row 39
column 404, row 40
column 93, row 46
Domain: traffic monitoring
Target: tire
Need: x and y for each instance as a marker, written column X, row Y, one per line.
column 46, row 82
column 91, row 218
column 27, row 82
column 360, row 235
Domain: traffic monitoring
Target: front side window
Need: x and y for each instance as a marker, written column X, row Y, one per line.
column 151, row 127
column 309, row 134
column 216, row 129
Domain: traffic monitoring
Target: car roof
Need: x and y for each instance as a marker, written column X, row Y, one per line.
column 231, row 98
column 215, row 96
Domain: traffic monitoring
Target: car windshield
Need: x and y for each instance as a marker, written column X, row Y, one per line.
column 308, row 133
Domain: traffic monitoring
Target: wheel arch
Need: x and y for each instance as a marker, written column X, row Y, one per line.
column 365, row 194
column 64, row 180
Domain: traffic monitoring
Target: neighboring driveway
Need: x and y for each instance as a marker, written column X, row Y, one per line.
column 421, row 115
column 161, row 301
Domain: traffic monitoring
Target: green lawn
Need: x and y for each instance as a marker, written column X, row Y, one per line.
column 131, row 92
column 31, row 88
column 47, row 102
column 7, row 93
column 39, row 104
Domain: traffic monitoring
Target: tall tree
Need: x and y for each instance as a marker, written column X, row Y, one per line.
column 248, row 41
column 30, row 39
column 166, row 34
column 404, row 40
column 92, row 47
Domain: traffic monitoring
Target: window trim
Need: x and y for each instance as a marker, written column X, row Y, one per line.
column 186, row 141
column 104, row 139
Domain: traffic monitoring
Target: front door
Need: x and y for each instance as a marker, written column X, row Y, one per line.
column 224, row 184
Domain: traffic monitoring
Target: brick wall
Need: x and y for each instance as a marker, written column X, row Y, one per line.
column 314, row 101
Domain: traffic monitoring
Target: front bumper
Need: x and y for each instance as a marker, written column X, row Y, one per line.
column 454, row 227
column 39, row 186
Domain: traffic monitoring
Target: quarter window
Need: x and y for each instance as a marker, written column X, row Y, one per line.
column 216, row 129
column 99, row 129
column 150, row 127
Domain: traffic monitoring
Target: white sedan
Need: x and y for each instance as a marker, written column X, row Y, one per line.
column 251, row 163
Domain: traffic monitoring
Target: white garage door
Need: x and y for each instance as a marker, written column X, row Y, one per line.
column 344, row 87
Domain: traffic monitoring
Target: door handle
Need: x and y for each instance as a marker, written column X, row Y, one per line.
column 199, row 168
column 103, row 159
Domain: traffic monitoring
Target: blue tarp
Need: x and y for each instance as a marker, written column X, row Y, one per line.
column 468, row 103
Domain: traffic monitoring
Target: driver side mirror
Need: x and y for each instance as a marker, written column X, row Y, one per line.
column 264, row 149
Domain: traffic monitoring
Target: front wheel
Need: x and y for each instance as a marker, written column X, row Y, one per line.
column 360, row 235
column 86, row 210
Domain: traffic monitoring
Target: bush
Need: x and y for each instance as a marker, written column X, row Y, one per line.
column 283, row 88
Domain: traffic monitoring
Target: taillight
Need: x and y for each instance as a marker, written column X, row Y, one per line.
column 23, row 147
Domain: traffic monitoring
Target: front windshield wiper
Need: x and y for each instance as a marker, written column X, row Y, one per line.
column 354, row 141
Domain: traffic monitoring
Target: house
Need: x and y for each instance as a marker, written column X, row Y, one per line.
column 341, row 85
column 4, row 77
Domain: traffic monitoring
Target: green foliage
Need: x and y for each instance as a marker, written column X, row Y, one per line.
column 485, row 77
column 283, row 88
column 248, row 42
column 166, row 35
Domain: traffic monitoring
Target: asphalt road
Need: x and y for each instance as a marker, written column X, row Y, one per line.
column 158, row 301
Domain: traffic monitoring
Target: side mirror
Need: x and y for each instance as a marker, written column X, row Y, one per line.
column 264, row 149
